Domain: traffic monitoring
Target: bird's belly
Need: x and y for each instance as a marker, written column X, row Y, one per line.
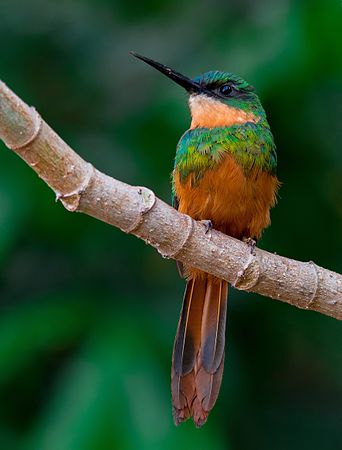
column 237, row 203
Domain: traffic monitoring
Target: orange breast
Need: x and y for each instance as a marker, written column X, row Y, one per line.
column 236, row 203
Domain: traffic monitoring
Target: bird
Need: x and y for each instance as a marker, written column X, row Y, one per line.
column 224, row 175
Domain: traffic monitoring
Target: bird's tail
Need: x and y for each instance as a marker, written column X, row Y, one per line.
column 198, row 353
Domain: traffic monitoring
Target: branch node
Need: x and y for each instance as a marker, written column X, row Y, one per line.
column 146, row 200
column 316, row 277
column 37, row 122
column 248, row 276
column 71, row 200
column 189, row 229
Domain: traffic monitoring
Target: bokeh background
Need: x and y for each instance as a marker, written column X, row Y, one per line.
column 88, row 314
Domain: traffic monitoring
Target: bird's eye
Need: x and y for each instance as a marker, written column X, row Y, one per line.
column 226, row 90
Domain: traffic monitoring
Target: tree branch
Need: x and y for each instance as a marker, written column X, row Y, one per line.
column 80, row 187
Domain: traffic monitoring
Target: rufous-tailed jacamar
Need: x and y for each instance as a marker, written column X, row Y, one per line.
column 224, row 173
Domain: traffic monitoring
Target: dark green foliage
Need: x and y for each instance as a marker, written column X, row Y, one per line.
column 88, row 314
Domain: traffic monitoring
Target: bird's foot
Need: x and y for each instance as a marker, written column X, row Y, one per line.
column 208, row 225
column 251, row 244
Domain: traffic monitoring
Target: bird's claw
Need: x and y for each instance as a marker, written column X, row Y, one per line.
column 208, row 225
column 251, row 244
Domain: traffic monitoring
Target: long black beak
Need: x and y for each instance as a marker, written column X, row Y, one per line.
column 180, row 79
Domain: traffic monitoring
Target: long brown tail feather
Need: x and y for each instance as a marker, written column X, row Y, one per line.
column 186, row 348
column 214, row 324
column 198, row 355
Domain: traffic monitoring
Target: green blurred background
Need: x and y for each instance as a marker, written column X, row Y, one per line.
column 88, row 314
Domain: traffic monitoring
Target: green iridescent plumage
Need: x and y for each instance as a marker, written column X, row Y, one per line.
column 250, row 144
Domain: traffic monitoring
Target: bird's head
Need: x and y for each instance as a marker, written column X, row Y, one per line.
column 216, row 99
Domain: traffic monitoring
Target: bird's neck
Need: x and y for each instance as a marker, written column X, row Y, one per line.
column 206, row 112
